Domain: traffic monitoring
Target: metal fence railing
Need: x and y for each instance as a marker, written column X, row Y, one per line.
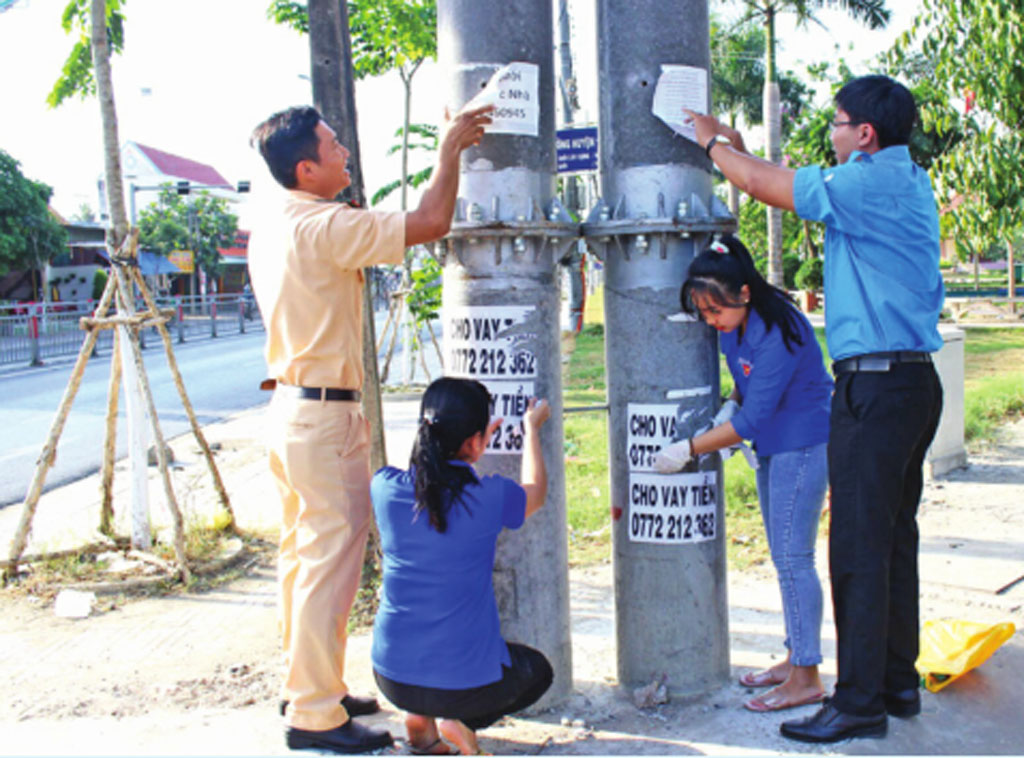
column 32, row 332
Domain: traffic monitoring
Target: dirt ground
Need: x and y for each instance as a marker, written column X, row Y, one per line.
column 198, row 673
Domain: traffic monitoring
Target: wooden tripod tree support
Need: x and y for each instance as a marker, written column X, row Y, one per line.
column 393, row 322
column 119, row 289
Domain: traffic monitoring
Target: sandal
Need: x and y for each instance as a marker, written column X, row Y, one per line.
column 766, row 678
column 775, row 701
column 431, row 749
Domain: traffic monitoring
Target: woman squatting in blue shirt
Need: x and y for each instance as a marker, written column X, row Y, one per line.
column 781, row 401
column 437, row 646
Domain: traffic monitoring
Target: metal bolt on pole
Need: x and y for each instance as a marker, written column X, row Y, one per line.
column 671, row 613
column 501, row 295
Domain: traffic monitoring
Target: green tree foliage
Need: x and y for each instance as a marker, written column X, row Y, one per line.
column 737, row 77
column 973, row 51
column 810, row 275
column 76, row 78
column 425, row 297
column 871, row 12
column 30, row 235
column 202, row 223
column 85, row 214
column 754, row 233
column 428, row 143
column 386, row 35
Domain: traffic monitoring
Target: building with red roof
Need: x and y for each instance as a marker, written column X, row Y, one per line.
column 147, row 168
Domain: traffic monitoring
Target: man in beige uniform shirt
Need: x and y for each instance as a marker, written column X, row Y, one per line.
column 305, row 264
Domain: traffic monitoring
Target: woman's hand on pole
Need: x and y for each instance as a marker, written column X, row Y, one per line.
column 534, row 476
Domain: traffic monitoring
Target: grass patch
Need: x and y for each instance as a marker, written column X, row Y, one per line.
column 586, row 449
column 113, row 565
column 991, row 401
column 746, row 544
column 81, row 567
column 987, row 341
column 993, row 380
column 204, row 538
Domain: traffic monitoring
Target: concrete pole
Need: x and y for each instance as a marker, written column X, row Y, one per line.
column 573, row 263
column 138, row 438
column 500, row 300
column 668, row 531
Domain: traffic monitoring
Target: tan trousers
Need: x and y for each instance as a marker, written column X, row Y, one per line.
column 320, row 458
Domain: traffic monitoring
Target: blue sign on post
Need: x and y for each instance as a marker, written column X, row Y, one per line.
column 576, row 148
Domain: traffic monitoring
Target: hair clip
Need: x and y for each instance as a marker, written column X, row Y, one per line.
column 719, row 247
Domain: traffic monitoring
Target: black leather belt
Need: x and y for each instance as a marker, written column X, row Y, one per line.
column 879, row 362
column 318, row 393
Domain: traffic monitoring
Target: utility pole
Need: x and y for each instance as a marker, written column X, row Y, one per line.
column 500, row 294
column 574, row 260
column 658, row 209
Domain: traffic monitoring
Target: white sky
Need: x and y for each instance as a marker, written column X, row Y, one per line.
column 215, row 68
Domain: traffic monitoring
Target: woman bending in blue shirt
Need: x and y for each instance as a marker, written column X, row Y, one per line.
column 781, row 401
column 437, row 646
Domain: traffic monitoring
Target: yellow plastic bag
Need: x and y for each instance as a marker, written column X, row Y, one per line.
column 952, row 647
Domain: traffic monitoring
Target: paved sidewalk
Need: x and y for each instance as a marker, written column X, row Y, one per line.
column 197, row 674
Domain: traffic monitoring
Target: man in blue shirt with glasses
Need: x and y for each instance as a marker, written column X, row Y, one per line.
column 883, row 295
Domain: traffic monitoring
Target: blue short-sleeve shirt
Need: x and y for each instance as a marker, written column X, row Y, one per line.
column 883, row 288
column 786, row 394
column 437, row 624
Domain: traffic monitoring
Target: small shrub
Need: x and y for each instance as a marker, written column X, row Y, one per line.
column 811, row 275
column 99, row 283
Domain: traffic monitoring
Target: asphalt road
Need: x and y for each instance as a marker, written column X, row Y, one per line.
column 221, row 377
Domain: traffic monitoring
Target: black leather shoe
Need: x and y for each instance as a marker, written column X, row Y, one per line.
column 350, row 737
column 903, row 704
column 830, row 725
column 354, row 706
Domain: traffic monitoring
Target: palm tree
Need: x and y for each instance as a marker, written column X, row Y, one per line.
column 737, row 76
column 873, row 13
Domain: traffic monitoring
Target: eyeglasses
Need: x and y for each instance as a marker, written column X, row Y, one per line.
column 837, row 124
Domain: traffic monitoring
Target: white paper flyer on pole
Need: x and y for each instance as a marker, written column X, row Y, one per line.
column 680, row 87
column 512, row 90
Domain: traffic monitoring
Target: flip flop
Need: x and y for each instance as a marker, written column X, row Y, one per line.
column 429, row 749
column 764, row 678
column 766, row 703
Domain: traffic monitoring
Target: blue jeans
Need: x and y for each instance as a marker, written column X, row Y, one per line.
column 791, row 487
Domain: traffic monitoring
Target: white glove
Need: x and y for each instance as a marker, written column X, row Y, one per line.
column 673, row 458
column 729, row 409
column 740, row 447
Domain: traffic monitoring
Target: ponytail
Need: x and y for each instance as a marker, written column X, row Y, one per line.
column 452, row 411
column 720, row 272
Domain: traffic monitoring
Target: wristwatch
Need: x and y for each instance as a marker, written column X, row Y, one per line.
column 714, row 141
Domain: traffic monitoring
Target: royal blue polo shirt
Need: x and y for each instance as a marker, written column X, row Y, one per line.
column 786, row 395
column 437, row 624
column 883, row 288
